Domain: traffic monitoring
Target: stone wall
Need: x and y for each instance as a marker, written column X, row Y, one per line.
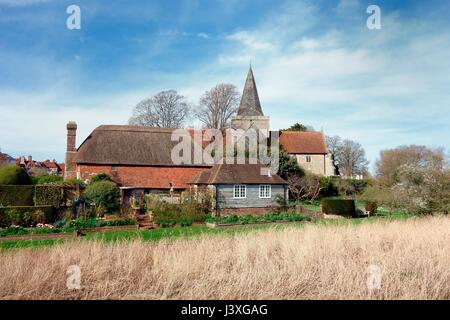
column 320, row 164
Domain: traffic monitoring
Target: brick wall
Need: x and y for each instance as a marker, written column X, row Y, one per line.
column 143, row 176
column 244, row 211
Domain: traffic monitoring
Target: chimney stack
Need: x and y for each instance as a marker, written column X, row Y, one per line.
column 30, row 159
column 71, row 136
column 71, row 151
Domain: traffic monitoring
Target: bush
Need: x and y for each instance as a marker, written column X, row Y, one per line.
column 16, row 195
column 49, row 179
column 371, row 206
column 100, row 177
column 26, row 215
column 105, row 195
column 338, row 207
column 329, row 188
column 351, row 187
column 49, row 195
column 169, row 214
column 14, row 175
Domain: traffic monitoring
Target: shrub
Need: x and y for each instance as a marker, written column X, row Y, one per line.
column 16, row 195
column 26, row 215
column 49, row 179
column 169, row 214
column 329, row 188
column 14, row 175
column 371, row 206
column 104, row 195
column 100, row 177
column 49, row 195
column 338, row 207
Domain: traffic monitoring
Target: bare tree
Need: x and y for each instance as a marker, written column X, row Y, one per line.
column 348, row 156
column 166, row 109
column 305, row 187
column 351, row 159
column 420, row 157
column 218, row 105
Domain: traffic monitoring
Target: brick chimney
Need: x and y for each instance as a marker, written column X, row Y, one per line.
column 71, row 151
column 30, row 159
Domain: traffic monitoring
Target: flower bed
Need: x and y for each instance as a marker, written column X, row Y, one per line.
column 65, row 227
column 233, row 220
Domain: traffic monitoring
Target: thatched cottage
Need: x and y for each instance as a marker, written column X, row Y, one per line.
column 139, row 158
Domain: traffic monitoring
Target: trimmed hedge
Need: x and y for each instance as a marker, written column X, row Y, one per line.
column 169, row 214
column 48, row 195
column 26, row 215
column 16, row 195
column 338, row 207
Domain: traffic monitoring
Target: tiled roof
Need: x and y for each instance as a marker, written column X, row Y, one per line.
column 238, row 173
column 303, row 142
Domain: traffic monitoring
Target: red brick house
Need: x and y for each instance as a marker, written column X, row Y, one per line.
column 138, row 158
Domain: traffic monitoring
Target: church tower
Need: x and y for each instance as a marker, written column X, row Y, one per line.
column 250, row 114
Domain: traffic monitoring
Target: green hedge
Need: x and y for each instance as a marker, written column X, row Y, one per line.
column 338, row 207
column 48, row 195
column 16, row 195
column 26, row 215
column 168, row 214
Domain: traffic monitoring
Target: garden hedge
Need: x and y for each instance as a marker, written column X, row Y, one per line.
column 338, row 207
column 16, row 195
column 26, row 215
column 48, row 195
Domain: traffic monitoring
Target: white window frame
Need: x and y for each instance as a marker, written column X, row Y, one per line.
column 241, row 187
column 261, row 188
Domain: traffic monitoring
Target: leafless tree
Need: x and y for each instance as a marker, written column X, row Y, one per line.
column 218, row 105
column 419, row 157
column 349, row 156
column 351, row 159
column 305, row 187
column 166, row 109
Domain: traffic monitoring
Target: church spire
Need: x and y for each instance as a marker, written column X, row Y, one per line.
column 250, row 105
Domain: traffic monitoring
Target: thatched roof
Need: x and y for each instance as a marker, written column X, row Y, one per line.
column 128, row 145
column 238, row 173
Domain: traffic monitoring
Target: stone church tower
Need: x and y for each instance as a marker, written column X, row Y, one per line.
column 250, row 114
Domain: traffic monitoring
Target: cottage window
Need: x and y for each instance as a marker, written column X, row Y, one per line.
column 240, row 191
column 308, row 158
column 265, row 191
column 113, row 168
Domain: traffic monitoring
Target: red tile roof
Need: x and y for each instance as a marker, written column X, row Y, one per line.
column 303, row 142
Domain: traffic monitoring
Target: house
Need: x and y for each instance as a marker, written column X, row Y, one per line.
column 310, row 150
column 243, row 188
column 33, row 167
column 139, row 159
column 6, row 159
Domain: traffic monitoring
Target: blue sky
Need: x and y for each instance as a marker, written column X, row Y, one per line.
column 315, row 62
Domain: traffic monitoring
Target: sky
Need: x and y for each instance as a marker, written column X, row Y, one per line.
column 315, row 62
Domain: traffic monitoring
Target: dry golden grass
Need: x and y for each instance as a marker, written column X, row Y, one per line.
column 315, row 262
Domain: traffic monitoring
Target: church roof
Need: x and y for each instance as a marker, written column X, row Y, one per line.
column 303, row 142
column 250, row 105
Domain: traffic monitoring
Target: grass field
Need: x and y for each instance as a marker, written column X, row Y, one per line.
column 177, row 232
column 314, row 261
